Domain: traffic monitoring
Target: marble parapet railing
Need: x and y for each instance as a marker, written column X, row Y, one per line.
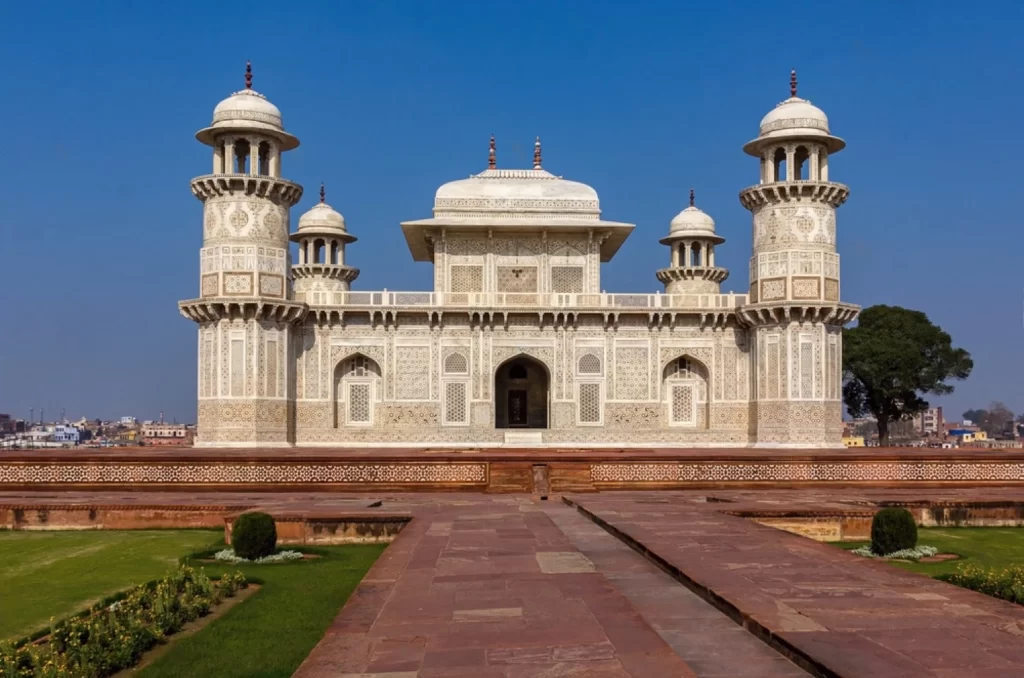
column 611, row 302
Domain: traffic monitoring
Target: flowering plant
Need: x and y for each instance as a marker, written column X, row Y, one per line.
column 229, row 556
column 113, row 637
column 1006, row 583
column 915, row 553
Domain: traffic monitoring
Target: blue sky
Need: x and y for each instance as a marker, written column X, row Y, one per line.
column 391, row 99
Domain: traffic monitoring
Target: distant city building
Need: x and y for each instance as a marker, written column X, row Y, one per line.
column 853, row 441
column 929, row 422
column 127, row 436
column 6, row 424
column 127, row 421
column 65, row 433
column 966, row 436
column 166, row 434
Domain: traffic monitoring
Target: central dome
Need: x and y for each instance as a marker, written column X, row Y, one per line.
column 504, row 191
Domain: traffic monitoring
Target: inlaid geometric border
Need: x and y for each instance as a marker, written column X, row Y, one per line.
column 99, row 473
column 818, row 471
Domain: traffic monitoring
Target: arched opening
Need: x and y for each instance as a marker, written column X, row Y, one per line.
column 801, row 164
column 521, row 394
column 695, row 254
column 223, row 162
column 241, row 156
column 318, row 251
column 685, row 392
column 779, row 165
column 264, row 159
column 356, row 389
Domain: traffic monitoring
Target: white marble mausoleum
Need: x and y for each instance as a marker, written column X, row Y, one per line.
column 516, row 344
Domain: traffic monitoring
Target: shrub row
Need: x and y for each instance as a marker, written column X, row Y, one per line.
column 1007, row 583
column 113, row 637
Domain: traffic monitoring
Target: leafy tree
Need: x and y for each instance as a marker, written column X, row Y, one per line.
column 977, row 416
column 892, row 357
column 997, row 419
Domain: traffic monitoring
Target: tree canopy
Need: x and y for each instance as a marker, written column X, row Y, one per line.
column 891, row 359
column 997, row 420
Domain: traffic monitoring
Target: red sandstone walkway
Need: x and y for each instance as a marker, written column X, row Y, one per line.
column 516, row 587
column 849, row 616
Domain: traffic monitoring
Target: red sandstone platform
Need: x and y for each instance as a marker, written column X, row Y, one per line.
column 538, row 470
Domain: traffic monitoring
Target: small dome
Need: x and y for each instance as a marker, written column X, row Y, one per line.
column 692, row 221
column 247, row 109
column 794, row 118
column 794, row 113
column 322, row 218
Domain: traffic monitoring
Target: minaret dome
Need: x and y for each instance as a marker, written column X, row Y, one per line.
column 692, row 239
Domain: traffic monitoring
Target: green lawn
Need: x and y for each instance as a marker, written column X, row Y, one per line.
column 985, row 546
column 54, row 574
column 272, row 632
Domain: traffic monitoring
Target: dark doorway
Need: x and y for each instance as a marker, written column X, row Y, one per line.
column 521, row 394
column 517, row 408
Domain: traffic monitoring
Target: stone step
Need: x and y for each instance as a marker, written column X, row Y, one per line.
column 525, row 438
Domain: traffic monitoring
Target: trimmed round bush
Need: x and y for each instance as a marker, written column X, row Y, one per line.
column 893, row 529
column 254, row 535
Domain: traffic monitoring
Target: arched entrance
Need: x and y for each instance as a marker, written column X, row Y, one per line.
column 521, row 394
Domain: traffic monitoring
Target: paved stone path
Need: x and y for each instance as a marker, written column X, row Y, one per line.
column 849, row 616
column 711, row 644
column 490, row 587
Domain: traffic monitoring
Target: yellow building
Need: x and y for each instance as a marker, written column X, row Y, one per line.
column 853, row 441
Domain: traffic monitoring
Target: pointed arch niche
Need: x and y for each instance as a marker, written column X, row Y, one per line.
column 685, row 392
column 357, row 387
column 521, row 393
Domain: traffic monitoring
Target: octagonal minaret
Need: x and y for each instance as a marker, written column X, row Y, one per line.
column 692, row 239
column 794, row 306
column 244, row 313
column 321, row 270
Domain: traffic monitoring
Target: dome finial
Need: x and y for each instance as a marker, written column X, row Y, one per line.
column 536, row 154
column 792, row 83
column 492, row 155
column 691, row 197
column 323, row 193
column 248, row 74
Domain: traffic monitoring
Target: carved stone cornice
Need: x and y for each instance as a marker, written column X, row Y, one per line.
column 246, row 308
column 776, row 313
column 331, row 271
column 787, row 192
column 273, row 188
column 677, row 273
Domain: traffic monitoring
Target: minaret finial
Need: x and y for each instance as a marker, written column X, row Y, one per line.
column 536, row 154
column 792, row 83
column 492, row 155
column 323, row 193
column 691, row 197
column 248, row 74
